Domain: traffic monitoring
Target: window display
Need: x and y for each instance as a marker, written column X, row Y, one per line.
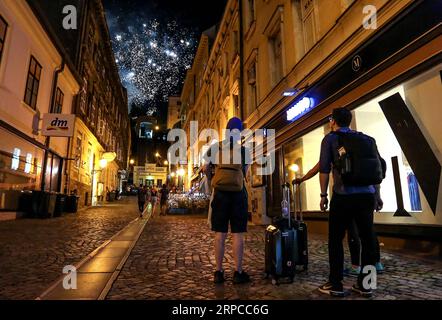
column 419, row 93
column 20, row 163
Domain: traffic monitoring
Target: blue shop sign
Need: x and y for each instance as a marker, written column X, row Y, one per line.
column 300, row 108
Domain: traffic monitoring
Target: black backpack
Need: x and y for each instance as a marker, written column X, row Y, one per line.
column 359, row 162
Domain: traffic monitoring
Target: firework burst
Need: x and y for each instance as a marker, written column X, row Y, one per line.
column 152, row 58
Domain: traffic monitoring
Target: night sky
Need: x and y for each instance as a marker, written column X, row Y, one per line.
column 154, row 43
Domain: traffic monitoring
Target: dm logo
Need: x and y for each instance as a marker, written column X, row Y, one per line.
column 356, row 63
column 57, row 124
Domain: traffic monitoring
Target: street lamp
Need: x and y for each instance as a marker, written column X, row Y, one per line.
column 166, row 162
column 157, row 128
column 157, row 155
column 294, row 168
column 132, row 162
column 103, row 163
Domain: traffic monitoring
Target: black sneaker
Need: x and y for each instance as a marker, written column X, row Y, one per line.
column 332, row 290
column 242, row 277
column 363, row 292
column 219, row 277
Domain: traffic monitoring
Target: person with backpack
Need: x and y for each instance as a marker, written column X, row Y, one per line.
column 229, row 204
column 353, row 240
column 357, row 170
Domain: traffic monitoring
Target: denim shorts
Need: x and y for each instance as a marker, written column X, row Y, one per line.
column 229, row 208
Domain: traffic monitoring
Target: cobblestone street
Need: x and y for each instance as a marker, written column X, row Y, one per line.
column 34, row 252
column 173, row 259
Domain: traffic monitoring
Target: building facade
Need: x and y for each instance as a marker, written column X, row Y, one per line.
column 173, row 112
column 35, row 79
column 212, row 88
column 302, row 58
column 150, row 174
column 101, row 107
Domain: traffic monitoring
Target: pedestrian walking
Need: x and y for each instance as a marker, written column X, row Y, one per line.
column 154, row 199
column 164, row 193
column 357, row 170
column 229, row 205
column 141, row 199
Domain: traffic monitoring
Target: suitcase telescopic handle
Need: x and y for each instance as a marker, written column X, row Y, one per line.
column 297, row 195
column 286, row 199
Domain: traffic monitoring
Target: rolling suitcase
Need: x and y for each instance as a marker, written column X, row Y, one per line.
column 280, row 244
column 301, row 230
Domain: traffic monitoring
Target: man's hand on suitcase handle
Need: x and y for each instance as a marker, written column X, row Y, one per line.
column 324, row 203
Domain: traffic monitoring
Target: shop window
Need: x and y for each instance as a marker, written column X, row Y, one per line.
column 15, row 159
column 3, row 29
column 58, row 103
column 28, row 164
column 20, row 163
column 422, row 96
column 33, row 83
column 299, row 157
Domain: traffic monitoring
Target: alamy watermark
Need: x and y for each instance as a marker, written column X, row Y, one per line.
column 259, row 147
column 70, row 280
column 370, row 20
column 70, row 21
column 370, row 280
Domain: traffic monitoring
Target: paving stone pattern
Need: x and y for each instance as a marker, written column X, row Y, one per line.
column 33, row 252
column 174, row 259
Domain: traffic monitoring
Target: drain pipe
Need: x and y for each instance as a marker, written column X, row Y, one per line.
column 241, row 59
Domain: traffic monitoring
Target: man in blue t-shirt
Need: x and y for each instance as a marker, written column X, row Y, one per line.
column 349, row 203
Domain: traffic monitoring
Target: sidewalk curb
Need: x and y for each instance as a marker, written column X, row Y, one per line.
column 92, row 254
column 118, row 270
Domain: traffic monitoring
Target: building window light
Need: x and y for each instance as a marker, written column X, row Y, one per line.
column 15, row 159
column 28, row 164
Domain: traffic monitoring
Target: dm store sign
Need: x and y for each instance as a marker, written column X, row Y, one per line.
column 58, row 125
column 300, row 108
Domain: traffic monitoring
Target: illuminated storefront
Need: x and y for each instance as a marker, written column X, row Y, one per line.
column 422, row 95
column 395, row 94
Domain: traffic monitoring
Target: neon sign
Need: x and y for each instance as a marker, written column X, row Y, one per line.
column 300, row 108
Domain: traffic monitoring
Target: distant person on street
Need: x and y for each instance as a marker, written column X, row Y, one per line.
column 154, row 199
column 229, row 205
column 164, row 192
column 141, row 199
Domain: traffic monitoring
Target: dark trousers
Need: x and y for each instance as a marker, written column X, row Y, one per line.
column 354, row 244
column 343, row 210
column 141, row 205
